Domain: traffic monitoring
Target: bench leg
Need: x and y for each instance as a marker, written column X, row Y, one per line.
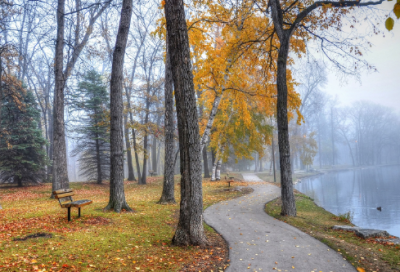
column 69, row 213
column 79, row 212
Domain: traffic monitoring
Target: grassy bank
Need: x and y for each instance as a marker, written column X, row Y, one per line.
column 317, row 222
column 99, row 241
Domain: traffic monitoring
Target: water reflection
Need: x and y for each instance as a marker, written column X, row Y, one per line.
column 360, row 192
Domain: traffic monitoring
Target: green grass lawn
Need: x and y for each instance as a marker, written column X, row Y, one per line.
column 98, row 241
column 317, row 222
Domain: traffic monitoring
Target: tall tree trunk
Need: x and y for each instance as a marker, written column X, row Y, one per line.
column 20, row 41
column 98, row 159
column 146, row 152
column 214, row 171
column 154, row 154
column 215, row 163
column 167, row 195
column 218, row 170
column 131, row 173
column 288, row 200
column 1, row 85
column 190, row 227
column 18, row 180
column 158, row 158
column 273, row 155
column 128, row 99
column 117, row 200
column 142, row 181
column 60, row 171
column 26, row 45
column 213, row 113
column 59, row 168
column 51, row 144
column 219, row 163
column 205, row 163
column 136, row 154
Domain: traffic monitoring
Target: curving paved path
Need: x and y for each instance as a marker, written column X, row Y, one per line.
column 258, row 242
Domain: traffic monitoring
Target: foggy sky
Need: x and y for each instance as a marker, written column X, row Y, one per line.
column 381, row 87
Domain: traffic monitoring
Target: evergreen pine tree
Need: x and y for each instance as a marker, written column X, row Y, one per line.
column 22, row 154
column 91, row 101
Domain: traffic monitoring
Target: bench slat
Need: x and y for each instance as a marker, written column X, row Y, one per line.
column 57, row 196
column 77, row 204
column 65, row 199
column 62, row 191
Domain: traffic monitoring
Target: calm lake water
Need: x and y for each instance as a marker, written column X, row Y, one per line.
column 360, row 192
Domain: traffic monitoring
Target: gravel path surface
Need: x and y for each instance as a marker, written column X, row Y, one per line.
column 258, row 242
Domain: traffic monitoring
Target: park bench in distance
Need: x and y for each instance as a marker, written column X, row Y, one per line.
column 152, row 173
column 64, row 197
column 229, row 180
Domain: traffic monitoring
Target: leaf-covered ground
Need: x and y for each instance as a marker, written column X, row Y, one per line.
column 365, row 255
column 99, row 241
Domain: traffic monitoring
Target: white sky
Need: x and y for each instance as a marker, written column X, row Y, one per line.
column 381, row 87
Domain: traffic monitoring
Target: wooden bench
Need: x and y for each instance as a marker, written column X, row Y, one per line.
column 64, row 197
column 229, row 180
column 152, row 173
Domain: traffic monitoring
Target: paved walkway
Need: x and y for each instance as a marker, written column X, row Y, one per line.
column 258, row 242
column 251, row 177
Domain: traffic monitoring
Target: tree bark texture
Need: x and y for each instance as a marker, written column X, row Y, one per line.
column 288, row 200
column 142, row 181
column 216, row 158
column 214, row 170
column 131, row 173
column 154, row 154
column 146, row 152
column 60, row 171
column 18, row 180
column 214, row 164
column 136, row 153
column 168, row 195
column 273, row 154
column 219, row 164
column 117, row 200
column 99, row 175
column 211, row 118
column 205, row 163
column 218, row 171
column 1, row 86
column 190, row 227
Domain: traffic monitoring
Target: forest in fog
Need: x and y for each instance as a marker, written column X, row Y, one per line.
column 235, row 95
column 174, row 122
